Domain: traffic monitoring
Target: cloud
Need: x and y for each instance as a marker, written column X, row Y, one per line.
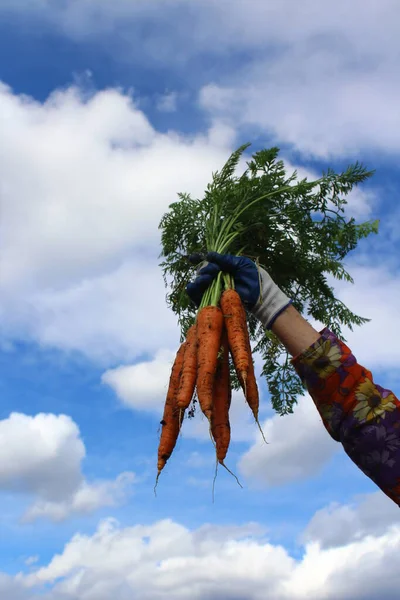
column 338, row 525
column 79, row 253
column 41, row 457
column 165, row 558
column 85, row 181
column 86, row 499
column 315, row 100
column 108, row 317
column 142, row 386
column 40, row 454
column 325, row 82
column 289, row 455
column 12, row 589
column 374, row 295
column 241, row 23
column 321, row 89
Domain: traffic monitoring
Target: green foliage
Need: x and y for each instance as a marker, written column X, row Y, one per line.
column 296, row 229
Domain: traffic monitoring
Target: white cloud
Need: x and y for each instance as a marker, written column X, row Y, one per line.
column 374, row 295
column 84, row 182
column 11, row 589
column 142, row 386
column 315, row 83
column 78, row 254
column 40, row 454
column 225, row 562
column 240, row 23
column 289, row 455
column 324, row 80
column 86, row 499
column 338, row 525
column 360, row 202
column 96, row 180
column 41, row 457
column 315, row 100
column 110, row 317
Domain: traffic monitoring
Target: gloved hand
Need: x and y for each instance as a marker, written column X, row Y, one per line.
column 258, row 292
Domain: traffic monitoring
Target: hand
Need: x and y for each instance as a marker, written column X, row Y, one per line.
column 254, row 285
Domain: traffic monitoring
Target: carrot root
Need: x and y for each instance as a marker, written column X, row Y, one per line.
column 229, row 471
column 214, row 480
column 261, row 431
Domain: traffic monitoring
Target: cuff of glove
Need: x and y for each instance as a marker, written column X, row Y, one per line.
column 268, row 313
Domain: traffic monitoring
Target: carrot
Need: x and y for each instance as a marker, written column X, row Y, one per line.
column 189, row 370
column 239, row 344
column 222, row 394
column 252, row 396
column 209, row 330
column 170, row 420
column 238, row 335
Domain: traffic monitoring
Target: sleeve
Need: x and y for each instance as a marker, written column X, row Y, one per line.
column 360, row 414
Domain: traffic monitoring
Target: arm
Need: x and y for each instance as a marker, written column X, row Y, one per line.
column 295, row 333
column 361, row 415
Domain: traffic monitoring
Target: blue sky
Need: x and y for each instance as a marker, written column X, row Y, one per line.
column 107, row 111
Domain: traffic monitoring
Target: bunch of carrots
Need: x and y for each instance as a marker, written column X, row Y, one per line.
column 202, row 362
column 202, row 365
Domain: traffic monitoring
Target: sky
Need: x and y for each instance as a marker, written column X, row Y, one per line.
column 108, row 110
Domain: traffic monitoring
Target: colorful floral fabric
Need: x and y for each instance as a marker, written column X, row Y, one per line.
column 360, row 414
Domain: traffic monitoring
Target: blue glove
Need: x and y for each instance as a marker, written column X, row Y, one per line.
column 258, row 292
column 205, row 277
column 243, row 270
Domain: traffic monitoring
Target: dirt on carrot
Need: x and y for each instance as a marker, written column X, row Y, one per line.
column 170, row 420
column 222, row 395
column 238, row 335
column 209, row 331
column 189, row 370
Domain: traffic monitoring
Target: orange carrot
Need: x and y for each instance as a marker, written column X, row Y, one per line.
column 189, row 370
column 220, row 427
column 170, row 421
column 252, row 395
column 209, row 330
column 238, row 335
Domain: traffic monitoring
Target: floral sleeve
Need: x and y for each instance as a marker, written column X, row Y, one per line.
column 360, row 414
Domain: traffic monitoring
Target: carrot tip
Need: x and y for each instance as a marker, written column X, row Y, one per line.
column 155, row 486
column 211, row 435
column 215, row 477
column 221, row 462
column 261, row 431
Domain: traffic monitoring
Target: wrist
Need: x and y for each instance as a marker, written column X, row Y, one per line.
column 272, row 301
column 294, row 331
